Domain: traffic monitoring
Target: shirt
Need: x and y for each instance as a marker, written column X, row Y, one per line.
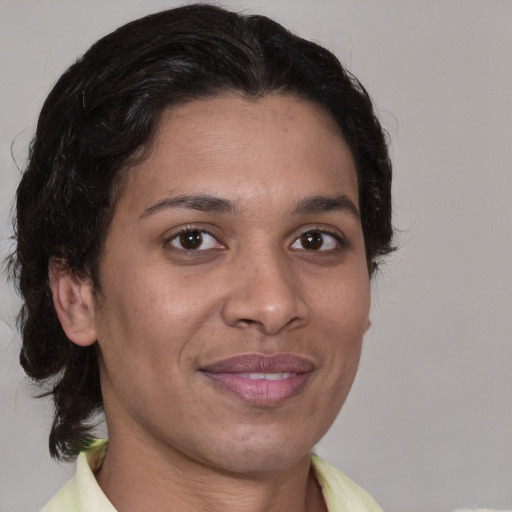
column 83, row 494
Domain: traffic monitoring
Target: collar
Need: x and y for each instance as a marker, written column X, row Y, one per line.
column 340, row 493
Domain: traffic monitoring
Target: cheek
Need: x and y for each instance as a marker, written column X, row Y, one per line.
column 343, row 315
column 343, row 304
column 151, row 312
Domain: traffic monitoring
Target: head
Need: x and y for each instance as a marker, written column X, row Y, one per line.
column 104, row 121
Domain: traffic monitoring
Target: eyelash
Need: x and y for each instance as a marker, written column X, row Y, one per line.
column 338, row 239
column 190, row 229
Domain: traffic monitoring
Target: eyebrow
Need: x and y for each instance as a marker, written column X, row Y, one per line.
column 211, row 204
column 325, row 204
column 201, row 202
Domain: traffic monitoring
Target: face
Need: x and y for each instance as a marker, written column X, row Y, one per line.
column 234, row 291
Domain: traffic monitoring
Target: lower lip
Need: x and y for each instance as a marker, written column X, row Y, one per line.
column 260, row 392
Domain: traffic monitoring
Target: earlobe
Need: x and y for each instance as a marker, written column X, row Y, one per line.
column 73, row 302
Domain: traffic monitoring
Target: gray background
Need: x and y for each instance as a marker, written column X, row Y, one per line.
column 428, row 426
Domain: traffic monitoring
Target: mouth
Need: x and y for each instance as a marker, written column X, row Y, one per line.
column 261, row 379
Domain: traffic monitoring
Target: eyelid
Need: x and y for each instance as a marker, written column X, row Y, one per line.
column 330, row 231
column 167, row 242
column 333, row 232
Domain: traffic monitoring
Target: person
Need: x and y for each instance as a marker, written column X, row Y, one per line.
column 206, row 199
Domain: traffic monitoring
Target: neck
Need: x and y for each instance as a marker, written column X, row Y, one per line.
column 140, row 477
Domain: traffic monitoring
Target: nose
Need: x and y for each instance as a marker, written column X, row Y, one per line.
column 264, row 295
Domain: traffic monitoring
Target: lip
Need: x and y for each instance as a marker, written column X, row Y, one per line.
column 261, row 379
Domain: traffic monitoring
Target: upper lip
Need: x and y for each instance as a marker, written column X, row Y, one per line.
column 261, row 363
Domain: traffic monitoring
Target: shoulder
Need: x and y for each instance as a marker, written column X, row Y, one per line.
column 341, row 494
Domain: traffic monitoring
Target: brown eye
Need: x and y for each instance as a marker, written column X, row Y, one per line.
column 191, row 239
column 316, row 241
column 194, row 240
column 312, row 241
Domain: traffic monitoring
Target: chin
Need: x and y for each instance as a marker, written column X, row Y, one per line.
column 251, row 452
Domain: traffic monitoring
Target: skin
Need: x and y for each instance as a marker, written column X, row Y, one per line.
column 254, row 285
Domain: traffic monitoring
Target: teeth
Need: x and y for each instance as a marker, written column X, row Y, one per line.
column 277, row 376
column 267, row 376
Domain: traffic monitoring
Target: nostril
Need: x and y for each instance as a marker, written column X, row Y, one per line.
column 247, row 321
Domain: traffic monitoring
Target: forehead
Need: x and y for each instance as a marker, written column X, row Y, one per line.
column 228, row 144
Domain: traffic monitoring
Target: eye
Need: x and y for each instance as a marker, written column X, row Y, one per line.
column 316, row 241
column 194, row 240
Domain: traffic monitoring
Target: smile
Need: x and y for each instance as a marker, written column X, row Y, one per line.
column 261, row 379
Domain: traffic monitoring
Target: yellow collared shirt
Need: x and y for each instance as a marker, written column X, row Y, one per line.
column 83, row 494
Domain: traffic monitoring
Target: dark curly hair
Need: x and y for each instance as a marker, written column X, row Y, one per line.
column 99, row 118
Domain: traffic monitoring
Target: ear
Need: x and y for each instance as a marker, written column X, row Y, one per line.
column 369, row 324
column 73, row 302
